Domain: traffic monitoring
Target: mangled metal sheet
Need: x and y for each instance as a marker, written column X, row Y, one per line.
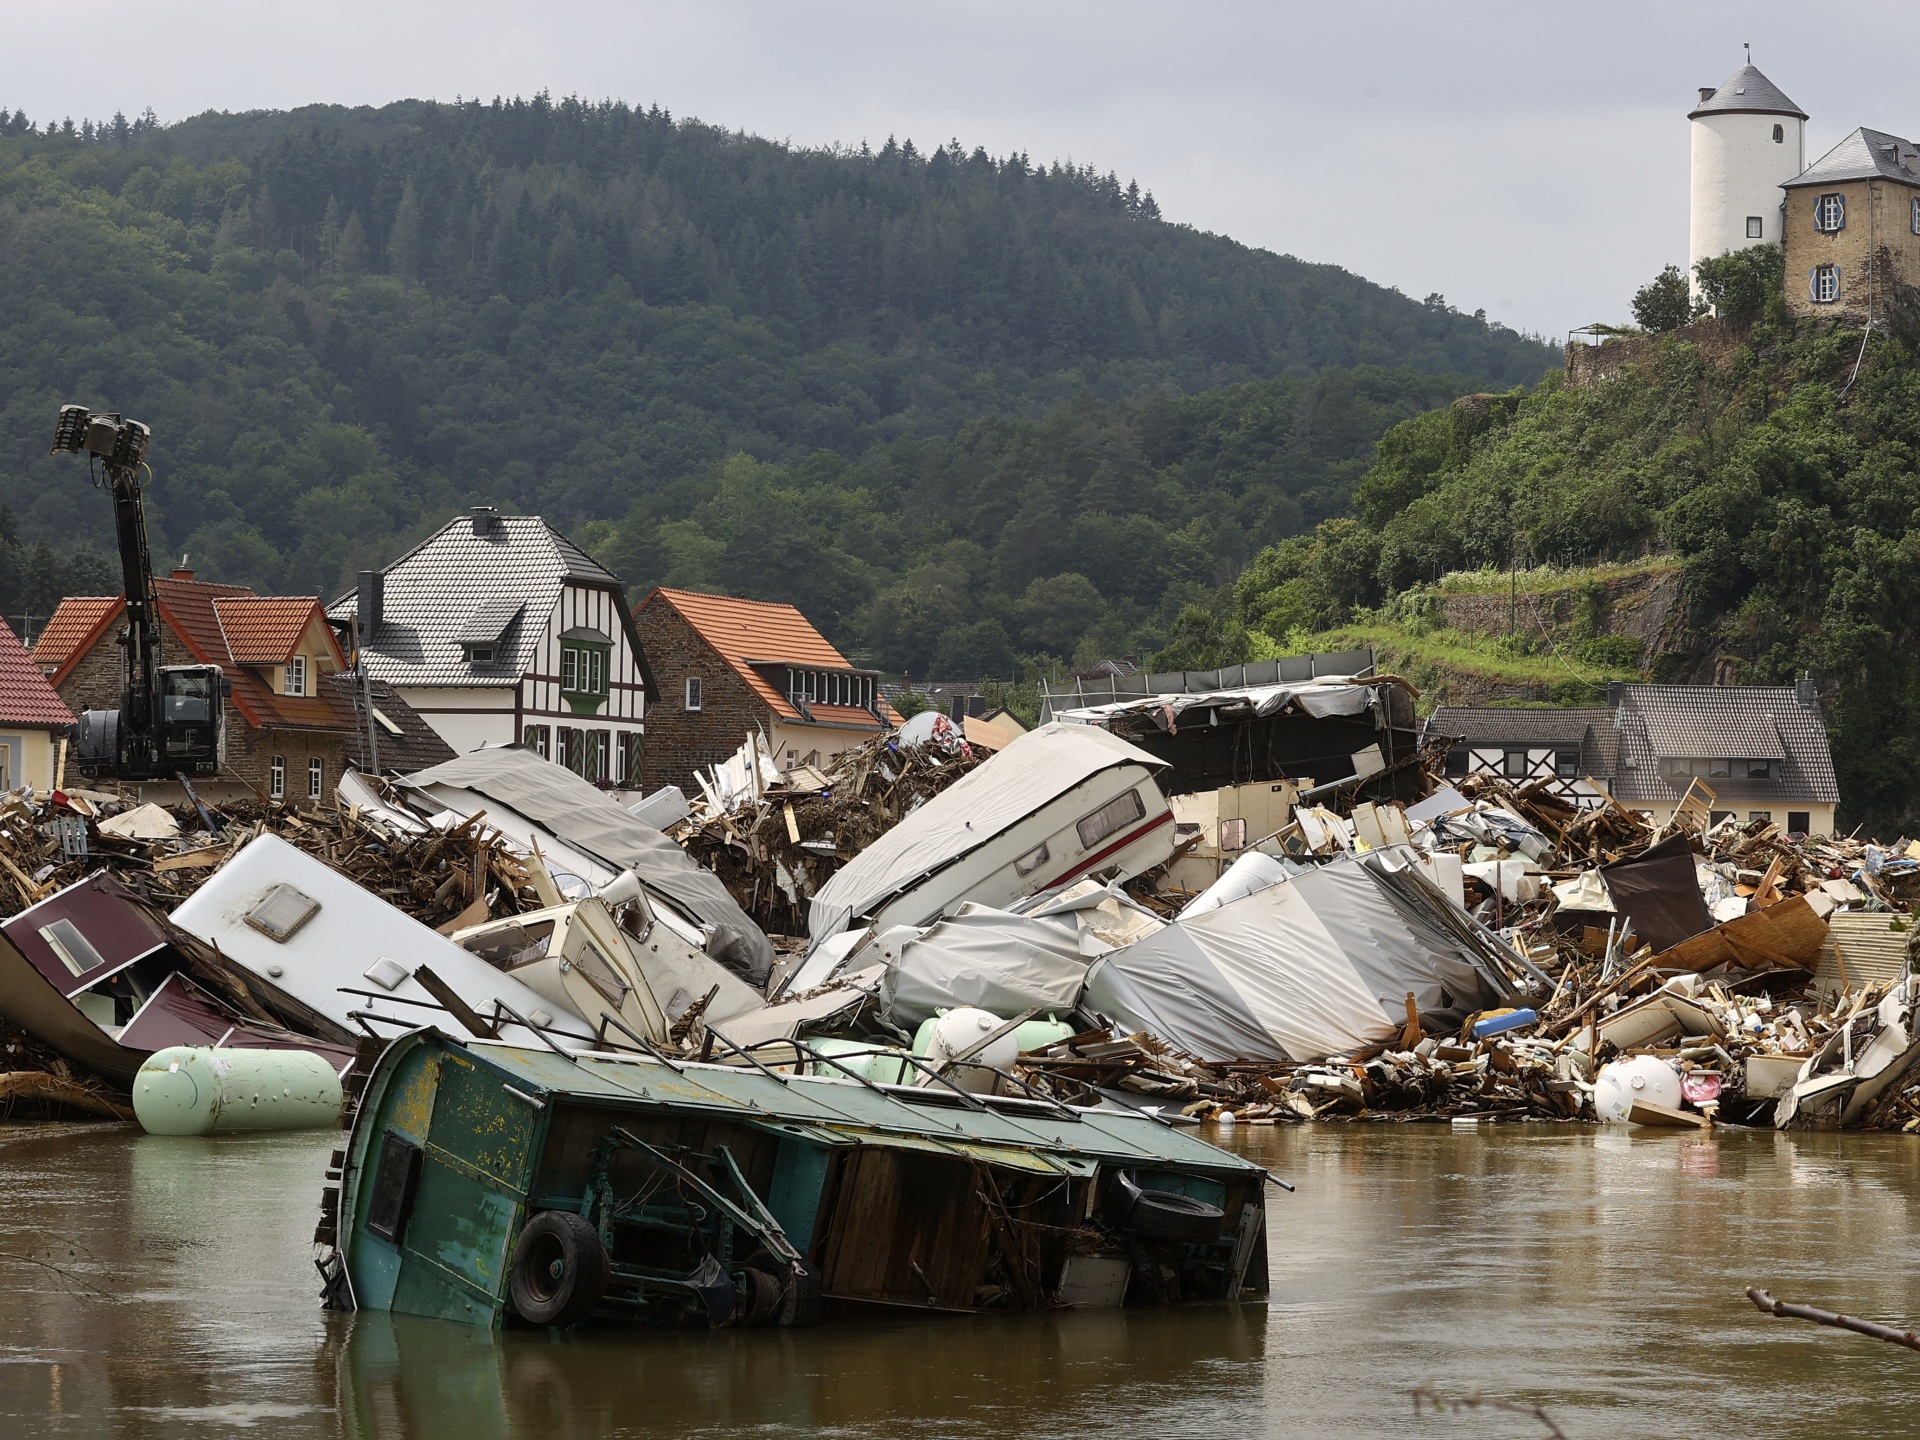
column 1317, row 965
column 1027, row 820
column 560, row 802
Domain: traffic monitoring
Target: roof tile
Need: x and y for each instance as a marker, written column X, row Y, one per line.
column 434, row 592
column 26, row 698
column 77, row 622
column 750, row 633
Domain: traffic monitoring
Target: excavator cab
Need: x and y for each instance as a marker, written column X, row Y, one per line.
column 192, row 719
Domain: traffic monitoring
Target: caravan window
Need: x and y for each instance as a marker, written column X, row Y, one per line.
column 512, row 946
column 1031, row 861
column 1117, row 813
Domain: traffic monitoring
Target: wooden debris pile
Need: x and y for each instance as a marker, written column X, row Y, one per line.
column 777, row 838
column 464, row 873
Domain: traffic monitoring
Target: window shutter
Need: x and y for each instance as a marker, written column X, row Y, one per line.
column 1813, row 284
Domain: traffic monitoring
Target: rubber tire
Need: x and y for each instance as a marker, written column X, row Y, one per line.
column 1180, row 1219
column 760, row 1296
column 540, row 1297
column 800, row 1306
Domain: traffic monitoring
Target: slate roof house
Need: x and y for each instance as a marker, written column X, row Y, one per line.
column 293, row 719
column 732, row 666
column 499, row 630
column 33, row 718
column 1760, row 749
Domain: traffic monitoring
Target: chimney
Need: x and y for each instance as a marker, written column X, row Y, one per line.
column 373, row 590
column 1706, row 93
column 1804, row 691
column 182, row 571
column 957, row 709
column 484, row 517
column 1616, row 692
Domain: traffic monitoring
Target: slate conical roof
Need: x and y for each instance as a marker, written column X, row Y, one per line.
column 1747, row 92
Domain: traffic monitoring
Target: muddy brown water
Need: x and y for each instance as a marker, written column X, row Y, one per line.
column 164, row 1287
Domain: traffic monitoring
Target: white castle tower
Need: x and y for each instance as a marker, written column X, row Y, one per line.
column 1748, row 140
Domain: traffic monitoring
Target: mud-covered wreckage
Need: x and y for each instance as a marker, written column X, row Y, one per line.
column 487, row 1181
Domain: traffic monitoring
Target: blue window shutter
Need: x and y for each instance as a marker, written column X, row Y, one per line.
column 1813, row 284
column 1839, row 212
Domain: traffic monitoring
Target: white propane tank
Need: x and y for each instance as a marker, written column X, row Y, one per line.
column 1622, row 1082
column 204, row 1090
column 958, row 1029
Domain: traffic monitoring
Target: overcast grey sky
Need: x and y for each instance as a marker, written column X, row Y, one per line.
column 1528, row 159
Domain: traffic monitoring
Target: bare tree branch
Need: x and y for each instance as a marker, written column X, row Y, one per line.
column 1474, row 1400
column 1763, row 1301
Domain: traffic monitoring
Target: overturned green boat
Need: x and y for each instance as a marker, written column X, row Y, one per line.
column 492, row 1184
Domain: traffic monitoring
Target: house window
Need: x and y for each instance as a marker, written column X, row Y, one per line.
column 1779, row 134
column 1759, row 769
column 1719, row 769
column 539, row 739
column 1799, row 822
column 1118, row 812
column 1457, row 761
column 1830, row 214
column 602, row 758
column 297, row 675
column 316, row 775
column 569, row 668
column 566, row 749
column 6, row 767
column 692, row 701
column 1913, row 218
column 1515, row 766
column 1567, row 764
column 1823, row 287
column 1753, row 227
column 1754, row 817
column 480, row 654
column 277, row 778
column 1714, row 817
column 627, row 760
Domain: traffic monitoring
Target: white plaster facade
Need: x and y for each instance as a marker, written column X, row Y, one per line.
column 1741, row 158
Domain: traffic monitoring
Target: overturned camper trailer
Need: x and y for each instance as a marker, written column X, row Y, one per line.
column 105, row 979
column 530, row 800
column 1059, row 803
column 302, row 926
column 490, row 1184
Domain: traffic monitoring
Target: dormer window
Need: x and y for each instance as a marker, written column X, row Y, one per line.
column 296, row 675
column 479, row 654
column 1830, row 214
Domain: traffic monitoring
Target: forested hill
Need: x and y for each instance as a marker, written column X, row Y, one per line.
column 343, row 323
column 1779, row 466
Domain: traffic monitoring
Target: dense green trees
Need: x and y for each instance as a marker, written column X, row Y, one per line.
column 736, row 363
column 1789, row 490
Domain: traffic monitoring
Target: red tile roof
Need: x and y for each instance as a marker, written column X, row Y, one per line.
column 26, row 698
column 77, row 623
column 195, row 610
column 750, row 632
column 266, row 629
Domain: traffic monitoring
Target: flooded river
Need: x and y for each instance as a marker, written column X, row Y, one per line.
column 160, row 1287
